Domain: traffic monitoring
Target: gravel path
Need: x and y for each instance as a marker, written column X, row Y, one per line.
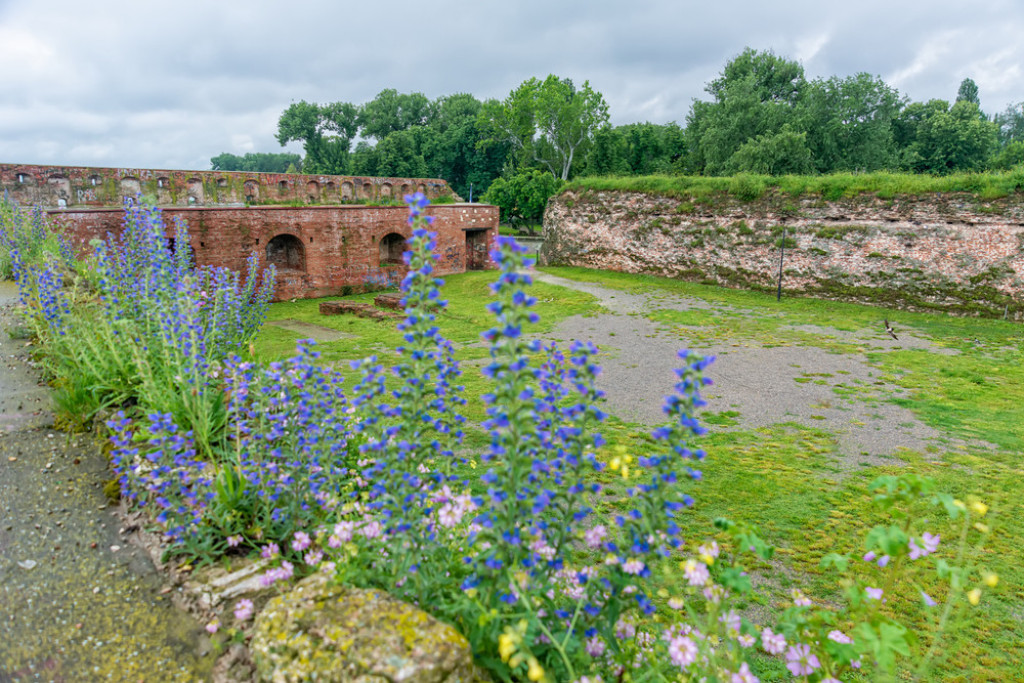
column 759, row 383
column 77, row 603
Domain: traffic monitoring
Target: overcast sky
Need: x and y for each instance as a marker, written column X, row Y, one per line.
column 146, row 84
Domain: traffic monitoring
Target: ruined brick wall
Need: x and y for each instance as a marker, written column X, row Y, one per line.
column 948, row 252
column 74, row 186
column 318, row 250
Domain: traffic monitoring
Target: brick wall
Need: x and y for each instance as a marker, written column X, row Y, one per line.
column 952, row 252
column 76, row 186
column 319, row 250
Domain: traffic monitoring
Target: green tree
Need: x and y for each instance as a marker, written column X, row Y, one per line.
column 325, row 131
column 774, row 154
column 255, row 162
column 756, row 94
column 937, row 138
column 1011, row 124
column 523, row 195
column 391, row 111
column 550, row 122
column 451, row 150
column 849, row 123
column 968, row 92
column 398, row 154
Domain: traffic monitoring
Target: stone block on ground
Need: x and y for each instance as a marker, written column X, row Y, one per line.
column 389, row 301
column 324, row 632
column 357, row 309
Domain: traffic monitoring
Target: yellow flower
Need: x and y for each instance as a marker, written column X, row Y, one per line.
column 974, row 596
column 960, row 504
column 506, row 646
column 979, row 508
column 991, row 579
column 535, row 672
column 471, row 593
column 983, row 528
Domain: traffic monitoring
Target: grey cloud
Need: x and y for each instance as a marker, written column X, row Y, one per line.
column 147, row 84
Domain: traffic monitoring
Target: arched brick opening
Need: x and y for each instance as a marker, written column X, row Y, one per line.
column 348, row 191
column 392, row 246
column 312, row 192
column 367, row 191
column 129, row 188
column 385, row 190
column 252, row 191
column 286, row 252
column 196, row 195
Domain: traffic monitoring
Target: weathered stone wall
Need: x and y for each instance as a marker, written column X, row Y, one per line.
column 75, row 186
column 318, row 251
column 949, row 252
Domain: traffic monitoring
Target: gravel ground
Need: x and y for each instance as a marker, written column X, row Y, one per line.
column 759, row 383
column 77, row 603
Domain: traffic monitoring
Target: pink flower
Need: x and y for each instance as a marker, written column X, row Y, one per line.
column 595, row 647
column 633, row 566
column 301, row 541
column 343, row 531
column 696, row 573
column 773, row 643
column 593, row 537
column 744, row 675
column 928, row 599
column 682, row 651
column 840, row 637
column 269, row 551
column 233, row 541
column 799, row 599
column 874, row 593
column 929, row 544
column 243, row 610
column 800, row 660
column 212, row 627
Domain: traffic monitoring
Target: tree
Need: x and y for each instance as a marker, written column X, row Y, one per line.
column 968, row 92
column 255, row 162
column 325, row 131
column 391, row 111
column 1011, row 124
column 524, row 195
column 451, row 150
column 849, row 123
column 756, row 94
column 937, row 138
column 548, row 122
column 774, row 154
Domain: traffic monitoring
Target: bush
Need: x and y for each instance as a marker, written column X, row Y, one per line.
column 523, row 196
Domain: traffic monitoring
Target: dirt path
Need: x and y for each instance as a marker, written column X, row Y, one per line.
column 77, row 603
column 758, row 386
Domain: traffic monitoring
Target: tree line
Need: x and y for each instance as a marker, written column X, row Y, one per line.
column 762, row 115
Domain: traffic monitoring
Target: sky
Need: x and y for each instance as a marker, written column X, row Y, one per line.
column 168, row 85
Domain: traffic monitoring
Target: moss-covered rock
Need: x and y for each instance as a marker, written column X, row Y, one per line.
column 325, row 632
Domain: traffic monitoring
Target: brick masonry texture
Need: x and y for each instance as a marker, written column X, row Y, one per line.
column 329, row 239
column 951, row 252
column 75, row 186
column 318, row 250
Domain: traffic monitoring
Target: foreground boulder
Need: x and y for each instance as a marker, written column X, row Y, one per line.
column 325, row 632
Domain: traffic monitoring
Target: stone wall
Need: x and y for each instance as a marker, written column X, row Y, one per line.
column 952, row 252
column 318, row 250
column 75, row 186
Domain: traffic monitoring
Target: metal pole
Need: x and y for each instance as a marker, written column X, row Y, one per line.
column 782, row 255
column 471, row 193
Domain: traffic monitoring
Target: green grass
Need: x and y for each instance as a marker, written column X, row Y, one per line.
column 788, row 479
column 747, row 187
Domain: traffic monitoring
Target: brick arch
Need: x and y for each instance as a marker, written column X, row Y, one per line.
column 391, row 247
column 367, row 190
column 196, row 193
column 252, row 190
column 285, row 252
column 348, row 190
column 313, row 192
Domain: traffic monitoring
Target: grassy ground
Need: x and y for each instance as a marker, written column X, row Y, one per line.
column 784, row 478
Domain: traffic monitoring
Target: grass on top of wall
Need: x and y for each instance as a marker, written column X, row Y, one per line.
column 749, row 187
